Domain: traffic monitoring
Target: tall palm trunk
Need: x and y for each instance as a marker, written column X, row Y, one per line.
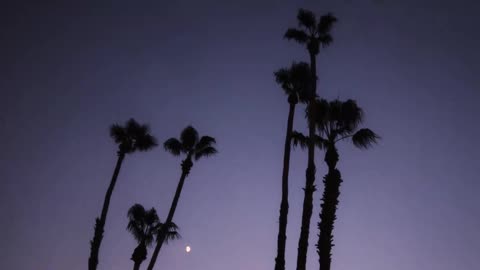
column 329, row 205
column 310, row 179
column 282, row 230
column 186, row 166
column 139, row 255
column 100, row 222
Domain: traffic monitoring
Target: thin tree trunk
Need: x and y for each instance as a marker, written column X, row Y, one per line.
column 186, row 166
column 310, row 180
column 100, row 222
column 136, row 265
column 282, row 230
column 139, row 255
column 329, row 205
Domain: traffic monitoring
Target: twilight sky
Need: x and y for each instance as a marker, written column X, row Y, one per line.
column 68, row 71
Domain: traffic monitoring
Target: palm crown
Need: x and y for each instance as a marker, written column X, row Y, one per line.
column 337, row 120
column 145, row 225
column 132, row 137
column 312, row 33
column 295, row 82
column 191, row 145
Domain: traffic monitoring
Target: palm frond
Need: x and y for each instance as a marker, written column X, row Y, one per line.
column 174, row 146
column 297, row 35
column 318, row 113
column 298, row 139
column 189, row 137
column 205, row 152
column 136, row 212
column 132, row 127
column 301, row 81
column 351, row 115
column 320, row 142
column 171, row 233
column 135, row 225
column 118, row 133
column 307, row 19
column 145, row 142
column 335, row 111
column 151, row 217
column 282, row 78
column 325, row 23
column 296, row 80
column 205, row 141
column 364, row 138
column 151, row 221
column 325, row 40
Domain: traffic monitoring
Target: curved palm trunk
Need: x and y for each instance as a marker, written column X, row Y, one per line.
column 329, row 205
column 282, row 230
column 186, row 166
column 100, row 222
column 309, row 183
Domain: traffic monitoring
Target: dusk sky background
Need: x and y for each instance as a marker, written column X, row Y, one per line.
column 69, row 70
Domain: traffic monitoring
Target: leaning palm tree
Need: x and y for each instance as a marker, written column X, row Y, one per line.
column 130, row 138
column 144, row 226
column 335, row 121
column 314, row 34
column 294, row 82
column 194, row 148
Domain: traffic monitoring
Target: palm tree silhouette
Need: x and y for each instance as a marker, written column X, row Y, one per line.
column 130, row 138
column 314, row 35
column 194, row 148
column 144, row 226
column 335, row 121
column 294, row 81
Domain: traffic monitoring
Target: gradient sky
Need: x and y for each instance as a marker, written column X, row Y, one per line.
column 68, row 71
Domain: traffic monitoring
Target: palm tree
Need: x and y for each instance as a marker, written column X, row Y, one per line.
column 294, row 82
column 130, row 138
column 335, row 121
column 144, row 226
column 314, row 34
column 194, row 148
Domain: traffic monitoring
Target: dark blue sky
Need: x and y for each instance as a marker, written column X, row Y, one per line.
column 68, row 71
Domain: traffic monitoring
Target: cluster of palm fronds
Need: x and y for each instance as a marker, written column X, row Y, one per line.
column 145, row 225
column 329, row 122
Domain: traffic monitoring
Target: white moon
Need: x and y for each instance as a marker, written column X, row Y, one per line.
column 188, row 249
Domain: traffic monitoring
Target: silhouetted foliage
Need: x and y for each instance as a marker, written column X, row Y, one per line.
column 190, row 145
column 130, row 138
column 295, row 82
column 313, row 34
column 335, row 121
column 144, row 226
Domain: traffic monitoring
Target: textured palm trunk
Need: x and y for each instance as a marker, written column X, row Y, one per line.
column 310, row 180
column 186, row 166
column 136, row 265
column 139, row 255
column 282, row 230
column 329, row 205
column 100, row 222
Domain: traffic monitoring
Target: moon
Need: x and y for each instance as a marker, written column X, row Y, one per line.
column 188, row 249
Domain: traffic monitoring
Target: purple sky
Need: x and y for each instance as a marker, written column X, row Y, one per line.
column 68, row 72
